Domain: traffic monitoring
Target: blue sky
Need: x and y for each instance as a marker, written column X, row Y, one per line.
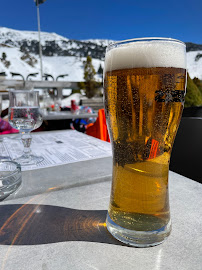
column 108, row 19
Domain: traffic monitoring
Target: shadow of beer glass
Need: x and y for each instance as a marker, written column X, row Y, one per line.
column 33, row 224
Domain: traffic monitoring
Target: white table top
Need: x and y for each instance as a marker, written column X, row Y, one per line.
column 56, row 221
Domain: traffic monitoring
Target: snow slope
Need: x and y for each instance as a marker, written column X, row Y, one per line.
column 54, row 65
column 12, row 40
column 194, row 67
column 17, row 36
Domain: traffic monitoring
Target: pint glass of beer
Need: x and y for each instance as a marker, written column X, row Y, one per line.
column 144, row 89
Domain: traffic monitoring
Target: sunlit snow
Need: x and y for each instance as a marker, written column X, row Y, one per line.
column 59, row 65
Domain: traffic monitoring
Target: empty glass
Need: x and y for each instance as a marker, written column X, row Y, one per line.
column 25, row 115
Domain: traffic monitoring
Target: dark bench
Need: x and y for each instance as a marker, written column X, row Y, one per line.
column 186, row 156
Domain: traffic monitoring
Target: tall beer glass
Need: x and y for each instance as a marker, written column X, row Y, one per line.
column 144, row 86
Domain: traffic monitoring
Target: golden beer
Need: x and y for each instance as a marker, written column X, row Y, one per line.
column 143, row 108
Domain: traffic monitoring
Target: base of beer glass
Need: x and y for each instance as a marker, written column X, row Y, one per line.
column 138, row 238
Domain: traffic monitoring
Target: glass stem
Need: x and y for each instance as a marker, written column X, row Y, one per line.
column 26, row 140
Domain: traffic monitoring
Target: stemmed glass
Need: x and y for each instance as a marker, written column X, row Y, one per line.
column 25, row 115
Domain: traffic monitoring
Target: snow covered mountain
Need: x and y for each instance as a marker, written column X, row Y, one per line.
column 19, row 54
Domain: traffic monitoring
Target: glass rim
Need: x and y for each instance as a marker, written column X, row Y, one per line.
column 147, row 39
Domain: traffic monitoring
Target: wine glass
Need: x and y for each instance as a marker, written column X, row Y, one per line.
column 25, row 115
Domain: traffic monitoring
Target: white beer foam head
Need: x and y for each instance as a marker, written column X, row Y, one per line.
column 152, row 53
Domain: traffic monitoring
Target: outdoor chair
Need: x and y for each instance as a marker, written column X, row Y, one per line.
column 99, row 128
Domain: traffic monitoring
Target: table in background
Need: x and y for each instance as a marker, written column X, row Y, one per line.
column 57, row 221
column 67, row 115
